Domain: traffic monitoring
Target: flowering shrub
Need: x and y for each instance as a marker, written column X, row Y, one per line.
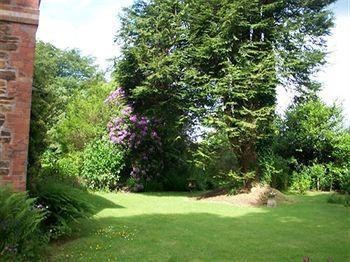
column 138, row 135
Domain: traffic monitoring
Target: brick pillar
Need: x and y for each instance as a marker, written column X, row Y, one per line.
column 18, row 25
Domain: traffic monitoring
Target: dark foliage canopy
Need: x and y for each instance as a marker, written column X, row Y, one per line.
column 217, row 64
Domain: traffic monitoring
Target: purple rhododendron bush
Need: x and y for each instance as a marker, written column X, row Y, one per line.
column 137, row 135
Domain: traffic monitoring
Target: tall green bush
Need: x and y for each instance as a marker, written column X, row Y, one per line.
column 84, row 120
column 313, row 132
column 274, row 170
column 301, row 181
column 58, row 76
column 340, row 176
column 320, row 179
column 212, row 160
column 102, row 164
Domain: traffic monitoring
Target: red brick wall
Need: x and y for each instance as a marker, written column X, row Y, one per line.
column 18, row 25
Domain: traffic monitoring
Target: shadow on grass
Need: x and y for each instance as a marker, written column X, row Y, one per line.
column 272, row 235
column 172, row 194
column 311, row 227
column 98, row 203
column 202, row 195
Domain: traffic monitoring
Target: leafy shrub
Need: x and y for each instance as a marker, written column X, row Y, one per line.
column 60, row 76
column 232, row 181
column 152, row 185
column 339, row 199
column 345, row 181
column 347, row 201
column 313, row 132
column 54, row 163
column 131, row 183
column 176, row 179
column 102, row 164
column 269, row 170
column 21, row 238
column 69, row 164
column 320, row 179
column 62, row 168
column 85, row 118
column 274, row 170
column 340, row 176
column 200, row 180
column 48, row 163
column 64, row 203
column 301, row 182
column 213, row 161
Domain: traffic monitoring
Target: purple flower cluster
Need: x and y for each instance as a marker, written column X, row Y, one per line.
column 131, row 130
column 137, row 134
column 115, row 96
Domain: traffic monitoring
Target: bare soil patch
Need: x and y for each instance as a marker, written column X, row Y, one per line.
column 256, row 197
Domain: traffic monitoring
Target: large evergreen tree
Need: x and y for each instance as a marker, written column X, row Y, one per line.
column 245, row 49
column 218, row 63
column 152, row 71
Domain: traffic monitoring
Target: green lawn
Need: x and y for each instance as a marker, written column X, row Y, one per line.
column 174, row 227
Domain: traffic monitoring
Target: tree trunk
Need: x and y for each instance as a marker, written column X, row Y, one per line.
column 244, row 150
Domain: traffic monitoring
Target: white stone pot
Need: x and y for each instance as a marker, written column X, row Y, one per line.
column 271, row 202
